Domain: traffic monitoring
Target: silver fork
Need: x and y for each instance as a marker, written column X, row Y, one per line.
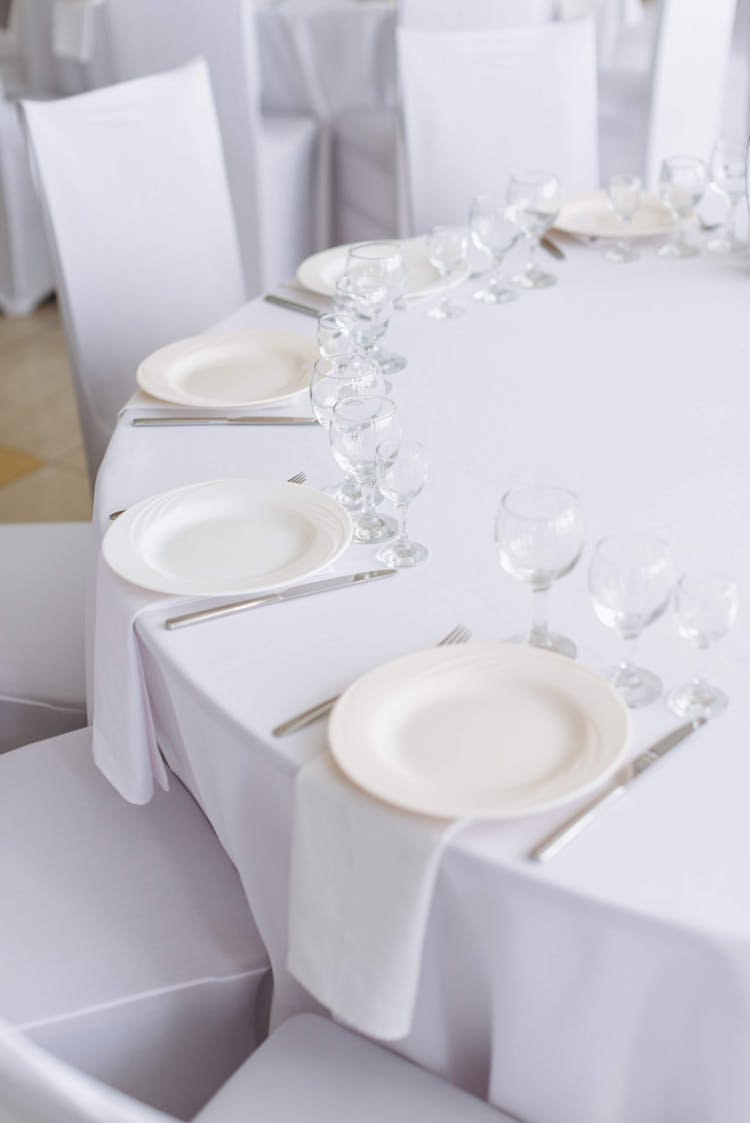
column 459, row 634
column 298, row 479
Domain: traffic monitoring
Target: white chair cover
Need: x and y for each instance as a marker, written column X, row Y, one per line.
column 475, row 15
column 485, row 104
column 126, row 948
column 139, row 216
column 692, row 60
column 42, row 576
column 309, row 1070
column 148, row 37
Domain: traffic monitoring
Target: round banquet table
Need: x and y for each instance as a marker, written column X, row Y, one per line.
column 612, row 983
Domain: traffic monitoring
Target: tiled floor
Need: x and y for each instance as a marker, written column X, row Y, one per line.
column 43, row 474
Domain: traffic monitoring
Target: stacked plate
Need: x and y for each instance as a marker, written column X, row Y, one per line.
column 321, row 272
column 591, row 216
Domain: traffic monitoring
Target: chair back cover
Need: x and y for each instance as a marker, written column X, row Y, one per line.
column 136, row 201
column 147, row 37
column 690, row 70
column 482, row 105
column 37, row 1088
column 474, row 15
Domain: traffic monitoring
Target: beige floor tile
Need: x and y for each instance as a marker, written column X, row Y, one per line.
column 14, row 464
column 74, row 459
column 51, row 494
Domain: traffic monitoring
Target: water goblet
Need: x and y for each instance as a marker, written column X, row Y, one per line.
column 682, row 181
column 494, row 234
column 384, row 260
column 448, row 247
column 705, row 608
column 624, row 192
column 631, row 578
column 727, row 171
column 369, row 300
column 539, row 537
column 401, row 471
column 337, row 333
column 533, row 204
column 358, row 426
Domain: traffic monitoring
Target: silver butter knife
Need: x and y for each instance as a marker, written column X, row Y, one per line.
column 292, row 305
column 260, row 419
column 291, row 593
column 570, row 829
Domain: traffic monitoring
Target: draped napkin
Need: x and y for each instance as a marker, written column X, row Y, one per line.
column 362, row 878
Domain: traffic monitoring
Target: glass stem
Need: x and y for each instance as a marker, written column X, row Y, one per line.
column 367, row 487
column 700, row 678
column 401, row 509
column 539, row 607
column 630, row 646
column 533, row 247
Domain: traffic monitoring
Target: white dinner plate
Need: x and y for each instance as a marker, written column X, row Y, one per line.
column 227, row 537
column 242, row 368
column 591, row 216
column 479, row 731
column 320, row 272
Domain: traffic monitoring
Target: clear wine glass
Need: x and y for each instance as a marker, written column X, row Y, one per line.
column 494, row 234
column 448, row 248
column 384, row 260
column 369, row 300
column 682, row 181
column 624, row 192
column 705, row 608
column 401, row 473
column 631, row 578
column 358, row 426
column 539, row 537
column 727, row 171
column 337, row 333
column 533, row 204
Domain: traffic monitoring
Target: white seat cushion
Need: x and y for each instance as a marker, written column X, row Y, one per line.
column 313, row 1071
column 127, row 947
column 288, row 195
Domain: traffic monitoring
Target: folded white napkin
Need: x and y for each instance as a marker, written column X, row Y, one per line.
column 362, row 879
column 73, row 29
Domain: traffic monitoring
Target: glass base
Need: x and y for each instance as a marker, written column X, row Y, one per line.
column 496, row 294
column 445, row 311
column 622, row 253
column 676, row 249
column 548, row 641
column 369, row 529
column 534, row 278
column 347, row 494
column 402, row 555
column 389, row 362
column 697, row 699
column 637, row 686
column 721, row 245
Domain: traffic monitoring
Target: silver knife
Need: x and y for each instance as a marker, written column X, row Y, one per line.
column 552, row 248
column 291, row 593
column 188, row 419
column 293, row 305
column 570, row 829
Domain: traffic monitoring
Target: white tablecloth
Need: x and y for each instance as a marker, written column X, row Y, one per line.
column 614, row 983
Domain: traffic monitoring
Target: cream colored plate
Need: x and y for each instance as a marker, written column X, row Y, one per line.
column 479, row 731
column 592, row 216
column 227, row 537
column 222, row 370
column 321, row 272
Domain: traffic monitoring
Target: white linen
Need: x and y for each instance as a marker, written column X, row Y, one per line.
column 571, row 969
column 149, row 152
column 490, row 103
column 361, row 888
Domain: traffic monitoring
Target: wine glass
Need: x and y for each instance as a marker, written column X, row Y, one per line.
column 631, row 578
column 448, row 247
column 706, row 606
column 727, row 170
column 369, row 300
column 358, row 426
column 539, row 537
column 682, row 181
column 337, row 333
column 494, row 234
column 401, row 471
column 533, row 204
column 384, row 260
column 624, row 192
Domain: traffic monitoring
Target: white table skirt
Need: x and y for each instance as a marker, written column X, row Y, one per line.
column 614, row 983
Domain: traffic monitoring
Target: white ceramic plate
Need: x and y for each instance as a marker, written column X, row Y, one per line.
column 320, row 272
column 479, row 731
column 227, row 537
column 245, row 368
column 592, row 216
